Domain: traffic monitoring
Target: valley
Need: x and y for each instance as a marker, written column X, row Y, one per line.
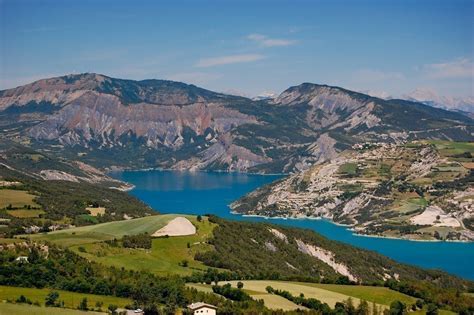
column 236, row 157
column 71, row 209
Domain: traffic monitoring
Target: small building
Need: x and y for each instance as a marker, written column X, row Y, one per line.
column 22, row 259
column 32, row 229
column 202, row 308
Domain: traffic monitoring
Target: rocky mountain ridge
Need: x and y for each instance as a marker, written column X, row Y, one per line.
column 110, row 123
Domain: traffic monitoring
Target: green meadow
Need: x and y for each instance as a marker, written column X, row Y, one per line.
column 71, row 299
column 25, row 309
column 168, row 255
column 106, row 231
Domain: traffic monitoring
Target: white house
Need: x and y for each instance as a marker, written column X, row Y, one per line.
column 202, row 308
column 22, row 259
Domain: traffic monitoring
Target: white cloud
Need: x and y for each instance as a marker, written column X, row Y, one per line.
column 194, row 77
column 266, row 41
column 458, row 68
column 226, row 60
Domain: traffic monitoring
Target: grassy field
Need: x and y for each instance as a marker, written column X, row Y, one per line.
column 327, row 293
column 449, row 148
column 106, row 231
column 24, row 309
column 71, row 299
column 164, row 258
column 349, row 169
column 25, row 213
column 379, row 295
column 9, row 240
column 96, row 211
column 271, row 300
column 16, row 198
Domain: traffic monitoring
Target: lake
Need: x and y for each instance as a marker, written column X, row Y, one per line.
column 212, row 192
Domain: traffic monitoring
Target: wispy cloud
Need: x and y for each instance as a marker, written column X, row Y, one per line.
column 266, row 41
column 458, row 68
column 226, row 60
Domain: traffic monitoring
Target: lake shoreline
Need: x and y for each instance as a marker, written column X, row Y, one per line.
column 347, row 226
column 209, row 192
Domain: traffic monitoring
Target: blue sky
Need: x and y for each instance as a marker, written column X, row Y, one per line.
column 245, row 47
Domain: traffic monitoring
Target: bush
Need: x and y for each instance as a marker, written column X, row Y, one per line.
column 137, row 241
column 51, row 298
column 83, row 305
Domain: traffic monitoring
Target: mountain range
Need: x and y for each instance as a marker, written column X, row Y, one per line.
column 115, row 123
column 430, row 97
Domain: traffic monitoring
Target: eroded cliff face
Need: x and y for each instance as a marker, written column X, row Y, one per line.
column 105, row 119
column 154, row 123
column 329, row 106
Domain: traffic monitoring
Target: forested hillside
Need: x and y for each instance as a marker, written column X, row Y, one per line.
column 268, row 251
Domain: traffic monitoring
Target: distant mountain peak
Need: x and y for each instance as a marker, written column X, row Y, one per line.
column 431, row 97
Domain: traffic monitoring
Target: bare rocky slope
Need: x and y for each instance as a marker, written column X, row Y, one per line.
column 109, row 123
column 418, row 190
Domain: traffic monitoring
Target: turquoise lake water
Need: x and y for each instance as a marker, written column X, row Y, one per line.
column 212, row 192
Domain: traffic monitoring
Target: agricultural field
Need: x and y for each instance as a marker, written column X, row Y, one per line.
column 71, row 299
column 166, row 256
column 272, row 301
column 453, row 149
column 17, row 199
column 9, row 240
column 95, row 211
column 379, row 295
column 25, row 213
column 25, row 309
column 348, row 169
column 327, row 293
column 105, row 231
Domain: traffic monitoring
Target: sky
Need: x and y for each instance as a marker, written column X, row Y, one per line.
column 245, row 47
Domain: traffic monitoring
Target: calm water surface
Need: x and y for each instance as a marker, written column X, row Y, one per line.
column 212, row 192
